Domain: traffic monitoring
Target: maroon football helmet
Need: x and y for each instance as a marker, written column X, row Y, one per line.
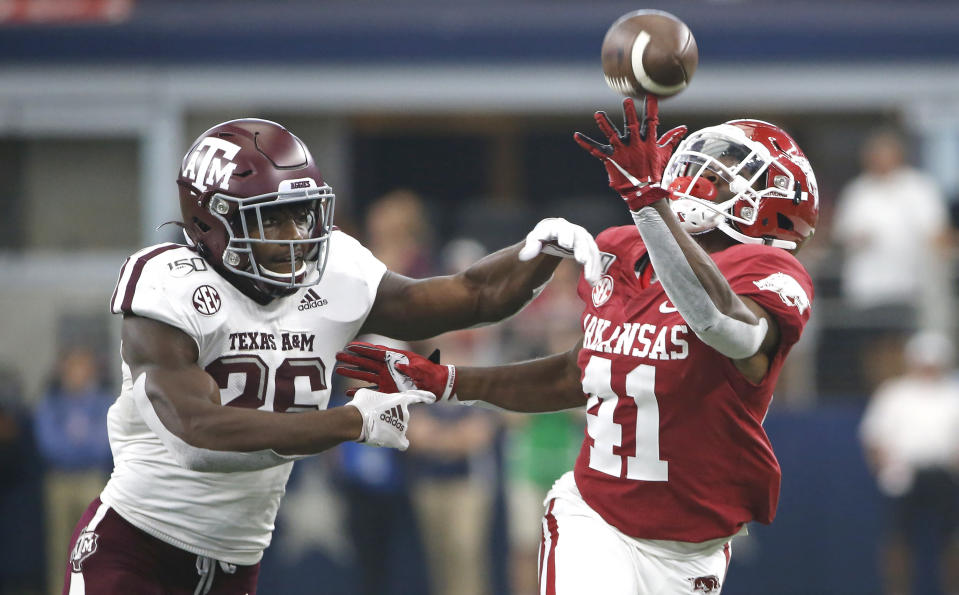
column 774, row 198
column 232, row 174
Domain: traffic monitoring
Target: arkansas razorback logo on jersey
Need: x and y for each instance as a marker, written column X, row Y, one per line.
column 789, row 290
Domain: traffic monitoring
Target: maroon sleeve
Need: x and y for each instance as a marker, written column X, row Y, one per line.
column 775, row 280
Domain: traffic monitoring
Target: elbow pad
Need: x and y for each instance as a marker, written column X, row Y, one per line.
column 731, row 337
column 202, row 459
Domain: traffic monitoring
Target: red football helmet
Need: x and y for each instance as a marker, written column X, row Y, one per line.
column 774, row 198
column 232, row 173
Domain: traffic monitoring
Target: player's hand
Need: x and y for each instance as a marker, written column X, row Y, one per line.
column 394, row 370
column 386, row 416
column 634, row 158
column 559, row 237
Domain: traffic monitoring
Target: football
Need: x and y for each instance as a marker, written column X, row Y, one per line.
column 649, row 51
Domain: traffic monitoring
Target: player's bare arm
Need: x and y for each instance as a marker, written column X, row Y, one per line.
column 491, row 289
column 754, row 368
column 550, row 383
column 187, row 400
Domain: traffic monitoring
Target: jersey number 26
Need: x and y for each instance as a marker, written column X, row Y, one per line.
column 256, row 374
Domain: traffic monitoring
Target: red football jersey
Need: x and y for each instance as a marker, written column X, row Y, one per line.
column 674, row 446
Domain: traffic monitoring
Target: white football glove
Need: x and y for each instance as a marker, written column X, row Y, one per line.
column 386, row 416
column 559, row 237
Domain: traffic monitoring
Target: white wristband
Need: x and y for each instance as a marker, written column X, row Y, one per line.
column 450, row 382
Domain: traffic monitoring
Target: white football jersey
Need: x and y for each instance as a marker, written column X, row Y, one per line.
column 277, row 357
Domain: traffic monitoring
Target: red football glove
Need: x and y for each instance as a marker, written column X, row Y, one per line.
column 635, row 158
column 396, row 370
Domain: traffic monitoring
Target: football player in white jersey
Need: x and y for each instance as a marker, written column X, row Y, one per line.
column 228, row 336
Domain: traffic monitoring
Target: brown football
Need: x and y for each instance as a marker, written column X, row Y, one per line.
column 649, row 51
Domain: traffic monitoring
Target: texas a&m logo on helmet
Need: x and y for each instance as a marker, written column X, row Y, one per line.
column 209, row 163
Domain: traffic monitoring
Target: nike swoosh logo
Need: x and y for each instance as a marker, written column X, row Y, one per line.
column 667, row 308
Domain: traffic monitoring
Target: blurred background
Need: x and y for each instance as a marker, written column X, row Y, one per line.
column 445, row 130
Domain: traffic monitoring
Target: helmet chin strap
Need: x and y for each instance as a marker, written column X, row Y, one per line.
column 270, row 281
column 696, row 218
column 727, row 229
column 302, row 270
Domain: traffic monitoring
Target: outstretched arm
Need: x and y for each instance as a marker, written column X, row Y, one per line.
column 490, row 290
column 180, row 402
column 735, row 326
column 547, row 384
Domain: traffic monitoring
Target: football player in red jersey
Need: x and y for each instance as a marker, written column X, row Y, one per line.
column 228, row 336
column 683, row 340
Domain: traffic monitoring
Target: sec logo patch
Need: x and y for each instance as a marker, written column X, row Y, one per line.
column 206, row 300
column 602, row 290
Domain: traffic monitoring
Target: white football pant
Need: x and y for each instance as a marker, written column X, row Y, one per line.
column 581, row 553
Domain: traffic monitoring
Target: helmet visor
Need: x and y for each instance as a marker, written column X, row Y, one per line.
column 733, row 165
column 727, row 160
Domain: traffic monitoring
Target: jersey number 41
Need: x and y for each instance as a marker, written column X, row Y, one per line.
column 607, row 434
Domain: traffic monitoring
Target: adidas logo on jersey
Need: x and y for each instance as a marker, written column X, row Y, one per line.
column 394, row 417
column 311, row 300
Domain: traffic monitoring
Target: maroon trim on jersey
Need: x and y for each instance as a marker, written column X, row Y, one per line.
column 553, row 526
column 116, row 288
column 542, row 548
column 727, row 551
column 127, row 304
column 542, row 551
